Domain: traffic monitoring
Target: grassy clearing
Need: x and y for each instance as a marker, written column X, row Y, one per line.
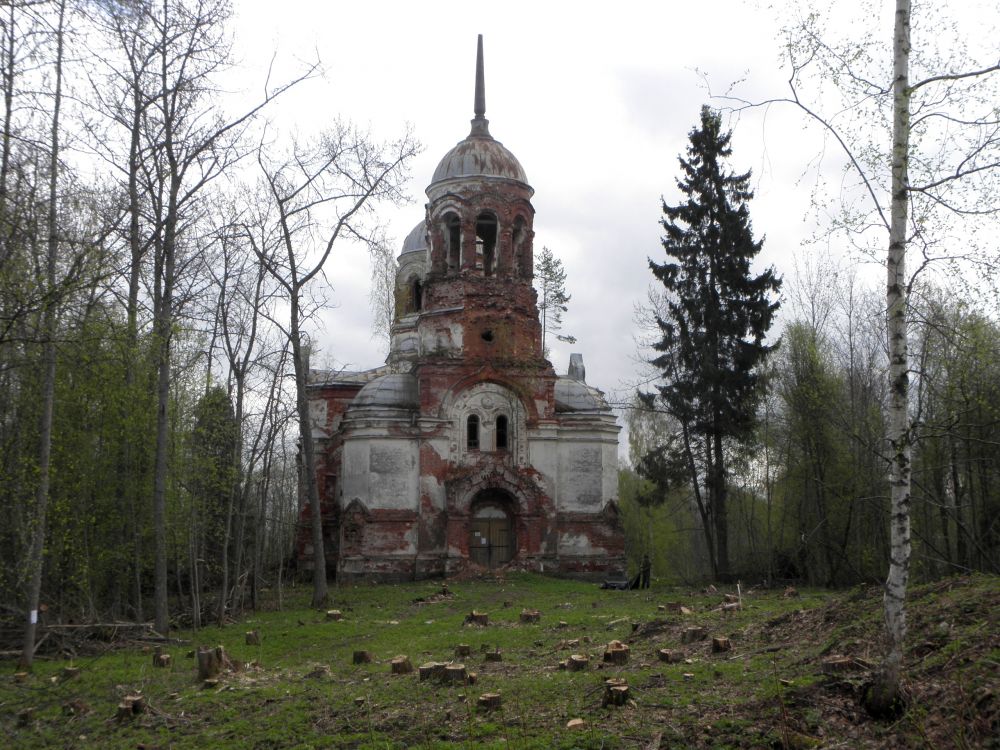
column 770, row 690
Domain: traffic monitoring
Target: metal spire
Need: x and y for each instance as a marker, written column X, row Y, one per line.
column 480, row 125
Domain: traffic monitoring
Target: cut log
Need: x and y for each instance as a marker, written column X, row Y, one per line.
column 616, row 652
column 211, row 661
column 493, row 655
column 730, row 607
column 616, row 692
column 577, row 663
column 334, row 615
column 253, row 637
column 835, row 664
column 489, row 701
column 362, row 657
column 432, row 670
column 401, row 665
column 670, row 656
column 477, row 618
column 690, row 635
column 530, row 615
column 721, row 644
column 463, row 649
column 686, row 611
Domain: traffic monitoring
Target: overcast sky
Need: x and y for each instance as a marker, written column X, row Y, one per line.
column 596, row 102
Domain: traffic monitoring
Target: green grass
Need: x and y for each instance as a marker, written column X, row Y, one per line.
column 768, row 685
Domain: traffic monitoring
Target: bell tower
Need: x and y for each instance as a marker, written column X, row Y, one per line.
column 477, row 298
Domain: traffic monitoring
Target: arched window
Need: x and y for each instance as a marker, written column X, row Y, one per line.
column 472, row 432
column 501, row 433
column 453, row 241
column 521, row 251
column 486, row 241
column 417, row 295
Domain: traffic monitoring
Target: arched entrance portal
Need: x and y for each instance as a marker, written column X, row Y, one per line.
column 491, row 528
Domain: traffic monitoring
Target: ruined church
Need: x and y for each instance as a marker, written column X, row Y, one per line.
column 466, row 446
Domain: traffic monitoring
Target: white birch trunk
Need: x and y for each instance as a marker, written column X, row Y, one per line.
column 898, row 417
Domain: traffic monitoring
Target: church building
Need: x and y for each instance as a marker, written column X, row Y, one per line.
column 466, row 446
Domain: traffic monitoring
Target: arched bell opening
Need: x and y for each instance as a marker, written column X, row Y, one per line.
column 492, row 536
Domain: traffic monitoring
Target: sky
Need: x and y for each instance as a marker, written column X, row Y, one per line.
column 595, row 102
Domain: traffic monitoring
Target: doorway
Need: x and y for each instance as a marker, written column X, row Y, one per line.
column 491, row 532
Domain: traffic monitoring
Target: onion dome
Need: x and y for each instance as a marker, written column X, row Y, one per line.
column 479, row 155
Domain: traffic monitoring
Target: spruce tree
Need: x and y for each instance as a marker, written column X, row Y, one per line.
column 716, row 318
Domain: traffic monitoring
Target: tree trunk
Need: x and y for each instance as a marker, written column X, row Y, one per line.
column 36, row 559
column 320, row 591
column 900, row 438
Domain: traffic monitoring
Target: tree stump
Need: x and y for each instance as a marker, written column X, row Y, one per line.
column 616, row 652
column 334, row 615
column 359, row 702
column 477, row 618
column 362, row 657
column 720, row 644
column 577, row 663
column 616, row 692
column 209, row 684
column 401, row 665
column 493, row 655
column 20, row 677
column 670, row 656
column 68, row 673
column 25, row 716
column 694, row 634
column 211, row 661
column 463, row 649
column 161, row 661
column 730, row 598
column 576, row 724
column 790, row 592
column 489, row 701
column 562, row 624
column 562, row 665
column 456, row 674
column 530, row 615
column 432, row 670
column 253, row 637
column 131, row 705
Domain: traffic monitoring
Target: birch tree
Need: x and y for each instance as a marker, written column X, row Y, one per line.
column 918, row 127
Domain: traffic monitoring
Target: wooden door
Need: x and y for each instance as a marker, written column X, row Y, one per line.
column 490, row 541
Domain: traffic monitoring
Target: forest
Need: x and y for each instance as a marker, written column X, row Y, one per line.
column 159, row 265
